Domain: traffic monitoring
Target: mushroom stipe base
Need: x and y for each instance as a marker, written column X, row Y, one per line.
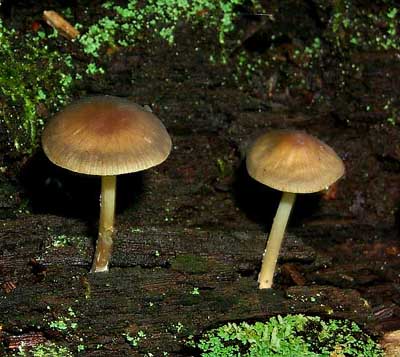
column 106, row 225
column 271, row 253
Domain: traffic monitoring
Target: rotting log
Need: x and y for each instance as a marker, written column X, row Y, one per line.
column 168, row 283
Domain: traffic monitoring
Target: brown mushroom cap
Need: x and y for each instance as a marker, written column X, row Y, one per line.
column 293, row 161
column 105, row 135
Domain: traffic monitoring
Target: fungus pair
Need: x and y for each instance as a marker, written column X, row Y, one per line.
column 292, row 162
column 109, row 136
column 105, row 136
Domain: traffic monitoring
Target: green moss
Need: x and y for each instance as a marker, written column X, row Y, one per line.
column 65, row 323
column 221, row 302
column 190, row 300
column 349, row 29
column 62, row 241
column 45, row 350
column 134, row 340
column 126, row 25
column 295, row 335
column 371, row 29
column 191, row 264
column 34, row 81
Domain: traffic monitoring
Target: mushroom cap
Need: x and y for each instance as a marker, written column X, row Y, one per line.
column 293, row 161
column 105, row 135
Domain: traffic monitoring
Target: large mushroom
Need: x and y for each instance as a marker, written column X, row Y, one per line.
column 292, row 162
column 105, row 136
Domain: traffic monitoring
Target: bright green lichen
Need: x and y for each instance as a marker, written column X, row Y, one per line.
column 295, row 335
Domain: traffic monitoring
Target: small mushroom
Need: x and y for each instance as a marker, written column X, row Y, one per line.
column 291, row 162
column 105, row 136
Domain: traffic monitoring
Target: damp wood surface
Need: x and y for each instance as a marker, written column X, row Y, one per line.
column 172, row 283
column 191, row 232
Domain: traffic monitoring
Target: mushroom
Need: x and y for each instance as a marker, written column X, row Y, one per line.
column 105, row 136
column 292, row 162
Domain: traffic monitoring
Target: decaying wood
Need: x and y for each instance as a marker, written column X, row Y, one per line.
column 391, row 343
column 168, row 283
column 56, row 21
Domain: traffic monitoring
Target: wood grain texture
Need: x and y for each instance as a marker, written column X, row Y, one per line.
column 159, row 279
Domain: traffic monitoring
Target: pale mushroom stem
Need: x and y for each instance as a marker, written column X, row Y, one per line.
column 106, row 225
column 271, row 253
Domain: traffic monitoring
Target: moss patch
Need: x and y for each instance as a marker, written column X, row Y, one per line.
column 293, row 335
column 191, row 264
